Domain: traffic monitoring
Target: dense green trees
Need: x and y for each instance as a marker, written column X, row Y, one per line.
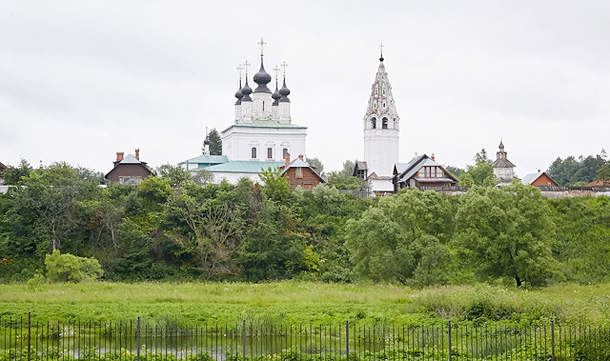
column 215, row 142
column 70, row 268
column 507, row 232
column 173, row 228
column 403, row 239
column 480, row 174
column 583, row 237
column 577, row 171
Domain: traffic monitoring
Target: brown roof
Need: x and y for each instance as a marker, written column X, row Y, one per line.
column 599, row 183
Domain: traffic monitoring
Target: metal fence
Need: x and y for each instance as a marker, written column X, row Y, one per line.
column 25, row 340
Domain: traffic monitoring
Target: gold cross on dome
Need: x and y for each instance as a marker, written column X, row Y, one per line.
column 276, row 69
column 284, row 65
column 239, row 69
column 246, row 65
column 262, row 44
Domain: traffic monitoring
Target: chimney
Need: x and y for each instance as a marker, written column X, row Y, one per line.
column 119, row 156
column 138, row 153
column 287, row 158
column 433, row 157
column 301, row 156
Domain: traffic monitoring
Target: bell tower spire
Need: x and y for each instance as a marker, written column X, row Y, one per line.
column 381, row 125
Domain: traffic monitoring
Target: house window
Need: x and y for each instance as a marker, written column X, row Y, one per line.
column 421, row 173
column 284, row 152
column 384, row 123
column 269, row 153
column 134, row 181
column 299, row 172
column 254, row 152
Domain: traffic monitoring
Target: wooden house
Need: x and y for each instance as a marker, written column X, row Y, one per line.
column 539, row 179
column 300, row 173
column 129, row 169
column 422, row 171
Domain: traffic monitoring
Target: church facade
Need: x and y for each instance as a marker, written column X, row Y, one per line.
column 262, row 133
column 263, row 128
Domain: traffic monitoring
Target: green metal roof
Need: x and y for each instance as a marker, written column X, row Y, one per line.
column 244, row 166
column 208, row 159
column 266, row 123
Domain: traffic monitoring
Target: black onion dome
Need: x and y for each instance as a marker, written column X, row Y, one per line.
column 284, row 92
column 276, row 95
column 207, row 140
column 246, row 91
column 262, row 78
column 239, row 94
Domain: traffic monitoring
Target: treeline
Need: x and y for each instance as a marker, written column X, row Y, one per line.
column 578, row 171
column 171, row 228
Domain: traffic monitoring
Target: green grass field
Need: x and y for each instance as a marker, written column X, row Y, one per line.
column 293, row 302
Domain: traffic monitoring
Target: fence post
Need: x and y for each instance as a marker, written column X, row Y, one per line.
column 243, row 339
column 29, row 332
column 449, row 340
column 347, row 340
column 552, row 340
column 138, row 350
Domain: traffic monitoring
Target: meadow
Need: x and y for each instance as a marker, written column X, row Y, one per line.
column 292, row 302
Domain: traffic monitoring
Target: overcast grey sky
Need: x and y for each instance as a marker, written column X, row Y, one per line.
column 80, row 80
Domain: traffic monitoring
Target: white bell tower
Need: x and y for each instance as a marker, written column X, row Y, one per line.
column 381, row 126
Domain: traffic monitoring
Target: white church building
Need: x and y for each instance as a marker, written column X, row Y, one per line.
column 262, row 133
column 381, row 127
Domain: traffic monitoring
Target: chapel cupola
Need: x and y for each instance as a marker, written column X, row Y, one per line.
column 238, row 94
column 206, row 143
column 262, row 78
column 246, row 91
column 244, row 113
column 261, row 97
column 284, row 93
column 276, row 95
column 503, row 168
column 284, row 102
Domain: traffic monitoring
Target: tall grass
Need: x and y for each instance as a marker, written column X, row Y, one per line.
column 305, row 302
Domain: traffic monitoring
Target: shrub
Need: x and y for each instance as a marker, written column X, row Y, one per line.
column 70, row 268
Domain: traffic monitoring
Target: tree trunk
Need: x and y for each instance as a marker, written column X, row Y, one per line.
column 518, row 281
column 54, row 238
